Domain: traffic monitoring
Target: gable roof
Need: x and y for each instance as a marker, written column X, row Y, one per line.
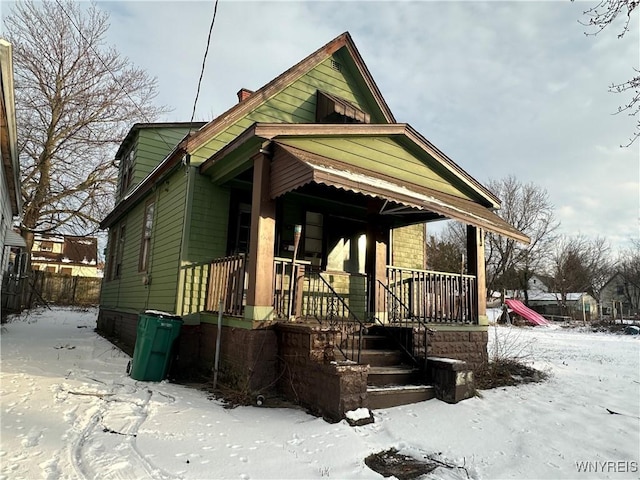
column 274, row 86
column 196, row 144
column 149, row 126
column 196, row 140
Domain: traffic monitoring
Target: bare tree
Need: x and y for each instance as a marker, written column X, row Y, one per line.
column 599, row 17
column 510, row 264
column 75, row 99
column 629, row 268
column 445, row 255
column 581, row 265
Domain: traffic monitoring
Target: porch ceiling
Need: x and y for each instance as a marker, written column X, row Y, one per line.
column 292, row 168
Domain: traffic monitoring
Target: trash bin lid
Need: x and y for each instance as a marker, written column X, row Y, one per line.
column 161, row 314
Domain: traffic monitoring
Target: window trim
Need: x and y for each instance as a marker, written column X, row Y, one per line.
column 127, row 161
column 116, row 252
column 148, row 220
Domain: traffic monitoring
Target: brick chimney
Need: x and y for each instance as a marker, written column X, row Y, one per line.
column 243, row 94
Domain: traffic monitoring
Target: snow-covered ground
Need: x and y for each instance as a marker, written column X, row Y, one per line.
column 68, row 410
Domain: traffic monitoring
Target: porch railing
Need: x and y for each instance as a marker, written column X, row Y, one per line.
column 195, row 281
column 323, row 303
column 287, row 300
column 227, row 283
column 435, row 297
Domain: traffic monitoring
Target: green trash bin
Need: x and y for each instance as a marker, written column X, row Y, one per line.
column 157, row 332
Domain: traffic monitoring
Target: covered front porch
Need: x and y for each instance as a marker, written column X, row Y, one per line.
column 325, row 258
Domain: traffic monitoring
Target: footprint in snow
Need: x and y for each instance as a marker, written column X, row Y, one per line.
column 32, row 438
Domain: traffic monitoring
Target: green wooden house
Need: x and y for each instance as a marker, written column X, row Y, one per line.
column 298, row 217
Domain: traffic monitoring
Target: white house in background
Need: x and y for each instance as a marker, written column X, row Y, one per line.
column 10, row 201
column 539, row 283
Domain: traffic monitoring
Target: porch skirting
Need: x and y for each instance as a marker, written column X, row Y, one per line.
column 466, row 344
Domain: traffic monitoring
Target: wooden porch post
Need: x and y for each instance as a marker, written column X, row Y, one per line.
column 376, row 264
column 263, row 227
column 475, row 258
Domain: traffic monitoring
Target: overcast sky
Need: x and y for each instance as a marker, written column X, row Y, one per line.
column 501, row 87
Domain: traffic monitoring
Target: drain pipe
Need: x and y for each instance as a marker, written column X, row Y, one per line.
column 216, row 362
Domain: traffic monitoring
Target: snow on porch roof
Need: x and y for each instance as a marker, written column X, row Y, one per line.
column 293, row 168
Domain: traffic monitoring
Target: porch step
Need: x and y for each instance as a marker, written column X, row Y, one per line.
column 376, row 342
column 393, row 375
column 381, row 358
column 387, row 397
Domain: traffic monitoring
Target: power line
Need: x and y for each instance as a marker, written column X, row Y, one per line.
column 115, row 79
column 204, row 60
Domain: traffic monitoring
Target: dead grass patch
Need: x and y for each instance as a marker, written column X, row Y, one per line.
column 505, row 372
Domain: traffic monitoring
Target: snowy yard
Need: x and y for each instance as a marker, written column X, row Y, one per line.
column 68, row 411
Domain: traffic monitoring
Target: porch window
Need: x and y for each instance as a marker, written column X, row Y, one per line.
column 147, row 228
column 243, row 229
column 314, row 226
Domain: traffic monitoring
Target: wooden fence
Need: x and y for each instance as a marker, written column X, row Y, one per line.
column 40, row 288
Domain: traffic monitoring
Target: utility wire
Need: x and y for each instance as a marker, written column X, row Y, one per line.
column 115, row 79
column 204, row 59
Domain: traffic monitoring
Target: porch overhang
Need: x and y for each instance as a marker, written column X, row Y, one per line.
column 293, row 168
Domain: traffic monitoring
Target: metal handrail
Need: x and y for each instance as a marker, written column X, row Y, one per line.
column 338, row 314
column 408, row 319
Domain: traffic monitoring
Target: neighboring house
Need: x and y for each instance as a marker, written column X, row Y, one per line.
column 310, row 174
column 619, row 297
column 579, row 306
column 75, row 256
column 539, row 283
column 10, row 199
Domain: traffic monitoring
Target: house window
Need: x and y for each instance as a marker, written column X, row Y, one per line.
column 66, row 271
column 116, row 247
column 147, row 229
column 620, row 290
column 50, row 269
column 126, row 169
column 46, row 246
column 314, row 224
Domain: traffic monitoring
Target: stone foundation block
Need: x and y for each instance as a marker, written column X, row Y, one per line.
column 452, row 379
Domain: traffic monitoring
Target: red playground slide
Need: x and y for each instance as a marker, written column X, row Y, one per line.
column 525, row 312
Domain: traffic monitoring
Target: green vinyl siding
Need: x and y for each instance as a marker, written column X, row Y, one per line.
column 129, row 292
column 153, row 146
column 296, row 103
column 381, row 155
column 209, row 221
column 166, row 243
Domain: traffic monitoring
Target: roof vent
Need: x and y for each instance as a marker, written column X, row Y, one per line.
column 336, row 66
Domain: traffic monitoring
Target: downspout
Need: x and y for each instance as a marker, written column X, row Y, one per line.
column 152, row 243
column 184, row 242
